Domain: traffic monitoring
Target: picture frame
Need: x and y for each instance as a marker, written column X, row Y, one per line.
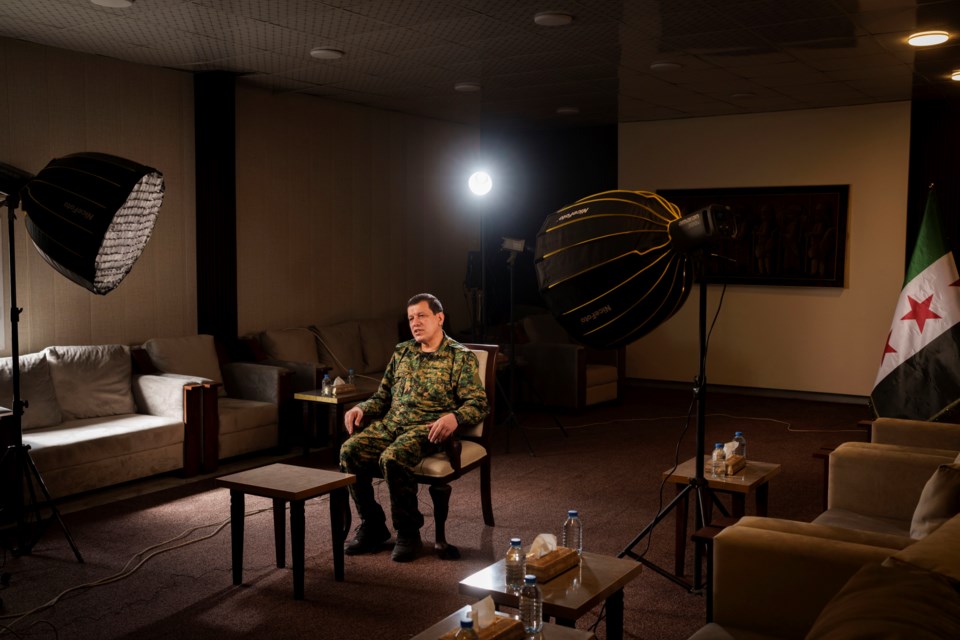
column 786, row 236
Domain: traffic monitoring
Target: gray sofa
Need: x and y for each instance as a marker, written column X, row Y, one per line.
column 91, row 422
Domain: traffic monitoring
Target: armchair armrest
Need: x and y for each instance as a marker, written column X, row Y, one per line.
column 254, row 381
column 162, row 394
column 304, row 376
column 775, row 583
column 916, row 433
column 881, row 480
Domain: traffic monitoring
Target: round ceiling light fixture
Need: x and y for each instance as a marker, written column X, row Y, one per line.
column 326, row 53
column 467, row 87
column 552, row 19
column 955, row 75
column 928, row 38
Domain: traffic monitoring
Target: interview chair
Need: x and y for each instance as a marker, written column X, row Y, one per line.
column 469, row 449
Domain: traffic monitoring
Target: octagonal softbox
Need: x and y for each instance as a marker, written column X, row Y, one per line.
column 607, row 269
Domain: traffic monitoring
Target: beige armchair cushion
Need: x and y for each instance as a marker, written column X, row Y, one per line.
column 36, row 386
column 340, row 347
column 92, row 381
column 295, row 345
column 937, row 552
column 939, row 501
column 189, row 355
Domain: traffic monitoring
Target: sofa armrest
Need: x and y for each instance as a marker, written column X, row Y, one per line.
column 161, row 394
column 776, row 582
column 254, row 381
column 916, row 433
column 304, row 376
column 880, row 480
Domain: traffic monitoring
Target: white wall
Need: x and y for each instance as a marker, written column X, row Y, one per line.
column 821, row 340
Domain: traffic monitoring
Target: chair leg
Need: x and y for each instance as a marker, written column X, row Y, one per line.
column 486, row 501
column 440, row 493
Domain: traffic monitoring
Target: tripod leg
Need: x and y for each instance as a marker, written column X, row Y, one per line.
column 49, row 501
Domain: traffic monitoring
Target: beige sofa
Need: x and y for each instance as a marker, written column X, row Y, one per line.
column 362, row 345
column 885, row 552
column 91, row 422
column 241, row 400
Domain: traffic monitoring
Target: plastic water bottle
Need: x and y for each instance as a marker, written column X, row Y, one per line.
column 572, row 537
column 351, row 376
column 466, row 631
column 531, row 605
column 741, row 444
column 326, row 387
column 514, row 564
column 718, row 463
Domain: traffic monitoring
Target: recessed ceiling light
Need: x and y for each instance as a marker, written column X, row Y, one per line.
column 665, row 66
column 928, row 38
column 326, row 53
column 553, row 19
column 467, row 87
column 955, row 75
column 568, row 111
column 113, row 4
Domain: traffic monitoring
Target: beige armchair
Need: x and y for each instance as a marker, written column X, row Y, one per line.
column 560, row 373
column 241, row 401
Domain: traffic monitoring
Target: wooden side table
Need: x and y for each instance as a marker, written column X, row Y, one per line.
column 549, row 632
column 336, row 407
column 753, row 478
column 289, row 483
column 570, row 595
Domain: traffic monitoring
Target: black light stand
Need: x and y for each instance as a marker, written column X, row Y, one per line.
column 698, row 484
column 511, row 418
column 17, row 457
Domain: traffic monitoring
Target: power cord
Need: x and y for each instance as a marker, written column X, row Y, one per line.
column 129, row 568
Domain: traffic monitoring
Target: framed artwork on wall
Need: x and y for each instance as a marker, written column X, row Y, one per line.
column 786, row 236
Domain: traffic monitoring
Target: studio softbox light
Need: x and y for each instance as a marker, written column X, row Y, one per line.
column 615, row 265
column 90, row 216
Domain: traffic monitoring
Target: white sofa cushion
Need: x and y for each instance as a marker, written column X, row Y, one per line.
column 189, row 355
column 939, row 501
column 36, row 387
column 296, row 345
column 91, row 381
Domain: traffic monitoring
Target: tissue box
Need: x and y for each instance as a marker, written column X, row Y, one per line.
column 503, row 628
column 735, row 463
column 343, row 389
column 552, row 564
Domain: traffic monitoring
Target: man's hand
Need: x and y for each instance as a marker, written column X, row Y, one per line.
column 352, row 419
column 443, row 428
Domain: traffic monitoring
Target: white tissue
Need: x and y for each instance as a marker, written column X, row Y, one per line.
column 483, row 613
column 729, row 448
column 339, row 380
column 542, row 545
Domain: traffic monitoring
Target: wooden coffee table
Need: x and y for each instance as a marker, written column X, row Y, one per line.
column 549, row 632
column 753, row 478
column 336, row 407
column 571, row 594
column 289, row 483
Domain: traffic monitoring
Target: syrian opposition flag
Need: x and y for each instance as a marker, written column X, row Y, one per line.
column 919, row 375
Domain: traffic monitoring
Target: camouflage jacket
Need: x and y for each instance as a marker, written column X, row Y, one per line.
column 417, row 387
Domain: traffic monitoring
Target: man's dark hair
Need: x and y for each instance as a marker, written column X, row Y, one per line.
column 430, row 299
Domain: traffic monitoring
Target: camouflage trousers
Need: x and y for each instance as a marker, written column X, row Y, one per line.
column 391, row 452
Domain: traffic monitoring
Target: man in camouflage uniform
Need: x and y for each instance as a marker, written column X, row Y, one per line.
column 431, row 386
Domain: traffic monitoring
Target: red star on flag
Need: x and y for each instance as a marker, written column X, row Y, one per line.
column 920, row 311
column 888, row 349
